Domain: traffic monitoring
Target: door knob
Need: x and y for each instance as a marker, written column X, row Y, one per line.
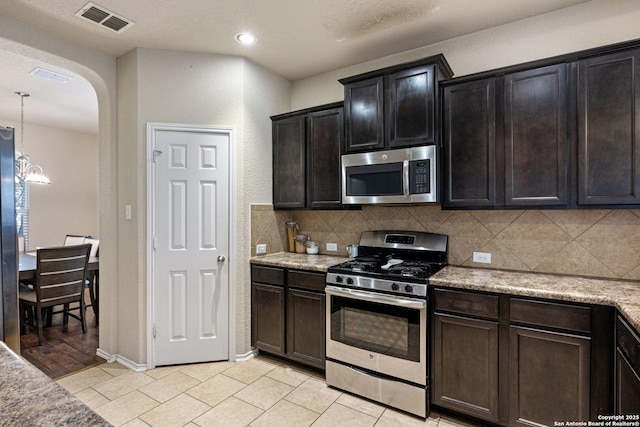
column 221, row 258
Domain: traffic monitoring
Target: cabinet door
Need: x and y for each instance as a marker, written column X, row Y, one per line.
column 410, row 107
column 535, row 137
column 609, row 129
column 267, row 318
column 324, row 142
column 627, row 387
column 289, row 162
column 548, row 377
column 465, row 365
column 305, row 327
column 363, row 109
column 469, row 145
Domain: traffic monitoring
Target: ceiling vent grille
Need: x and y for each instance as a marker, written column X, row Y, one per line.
column 104, row 17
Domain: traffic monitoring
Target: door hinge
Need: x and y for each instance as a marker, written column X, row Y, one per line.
column 154, row 244
column 155, row 331
column 156, row 153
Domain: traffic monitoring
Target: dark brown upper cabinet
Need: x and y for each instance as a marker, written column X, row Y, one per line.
column 469, row 139
column 505, row 140
column 306, row 158
column 289, row 162
column 324, row 139
column 394, row 107
column 535, row 137
column 561, row 132
column 364, row 115
column 609, row 129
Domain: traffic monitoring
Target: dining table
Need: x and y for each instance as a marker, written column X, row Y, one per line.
column 27, row 273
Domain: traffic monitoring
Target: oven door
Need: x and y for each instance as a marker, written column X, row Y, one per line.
column 378, row 332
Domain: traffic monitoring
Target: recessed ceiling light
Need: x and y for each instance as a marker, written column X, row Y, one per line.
column 245, row 38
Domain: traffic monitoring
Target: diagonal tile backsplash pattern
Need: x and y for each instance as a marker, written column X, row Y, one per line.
column 596, row 243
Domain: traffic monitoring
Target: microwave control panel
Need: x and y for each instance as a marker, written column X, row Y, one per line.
column 419, row 176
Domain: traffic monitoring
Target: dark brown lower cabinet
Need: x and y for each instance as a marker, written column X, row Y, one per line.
column 627, row 379
column 548, row 377
column 627, row 386
column 305, row 327
column 466, row 357
column 288, row 313
column 520, row 361
column 268, row 317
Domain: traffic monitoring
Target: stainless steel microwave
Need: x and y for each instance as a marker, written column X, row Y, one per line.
column 406, row 175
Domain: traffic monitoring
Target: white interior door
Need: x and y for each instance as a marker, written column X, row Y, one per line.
column 190, row 218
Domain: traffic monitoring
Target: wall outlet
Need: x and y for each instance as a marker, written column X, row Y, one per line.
column 261, row 249
column 482, row 257
column 332, row 247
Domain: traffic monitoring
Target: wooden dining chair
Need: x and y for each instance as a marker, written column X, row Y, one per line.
column 92, row 282
column 60, row 279
column 74, row 239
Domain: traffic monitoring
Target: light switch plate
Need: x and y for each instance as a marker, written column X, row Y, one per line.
column 261, row 249
column 482, row 257
column 332, row 247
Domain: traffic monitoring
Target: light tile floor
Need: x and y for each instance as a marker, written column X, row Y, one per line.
column 260, row 392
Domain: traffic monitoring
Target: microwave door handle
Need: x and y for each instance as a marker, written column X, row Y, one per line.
column 405, row 178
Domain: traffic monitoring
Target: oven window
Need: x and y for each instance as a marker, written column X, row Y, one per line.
column 375, row 180
column 381, row 328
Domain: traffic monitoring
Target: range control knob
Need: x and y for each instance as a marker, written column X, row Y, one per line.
column 408, row 288
column 339, row 279
column 394, row 286
column 350, row 281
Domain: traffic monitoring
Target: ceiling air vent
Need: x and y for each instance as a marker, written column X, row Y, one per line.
column 104, row 17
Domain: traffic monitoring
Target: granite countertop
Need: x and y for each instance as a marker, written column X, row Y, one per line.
column 300, row 261
column 29, row 398
column 624, row 295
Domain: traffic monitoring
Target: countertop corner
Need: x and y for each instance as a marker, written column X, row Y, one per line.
column 30, row 398
column 300, row 261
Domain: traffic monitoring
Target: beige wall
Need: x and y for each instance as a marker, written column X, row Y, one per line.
column 69, row 205
column 596, row 243
column 189, row 88
column 587, row 25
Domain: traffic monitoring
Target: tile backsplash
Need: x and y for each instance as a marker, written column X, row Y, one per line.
column 596, row 243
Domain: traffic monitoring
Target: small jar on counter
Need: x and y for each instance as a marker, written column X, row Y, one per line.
column 312, row 247
column 301, row 240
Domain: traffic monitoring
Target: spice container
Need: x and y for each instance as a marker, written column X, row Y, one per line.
column 312, row 247
column 301, row 240
column 292, row 229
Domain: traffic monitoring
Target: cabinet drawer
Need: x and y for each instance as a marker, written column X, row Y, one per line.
column 629, row 342
column 306, row 280
column 469, row 303
column 271, row 275
column 542, row 313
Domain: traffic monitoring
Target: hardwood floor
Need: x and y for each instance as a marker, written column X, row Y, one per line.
column 65, row 350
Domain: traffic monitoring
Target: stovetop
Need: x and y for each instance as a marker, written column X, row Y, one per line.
column 396, row 262
column 377, row 267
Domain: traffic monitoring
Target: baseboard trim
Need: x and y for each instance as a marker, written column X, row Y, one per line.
column 247, row 356
column 110, row 358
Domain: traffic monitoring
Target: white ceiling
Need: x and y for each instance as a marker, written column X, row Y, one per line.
column 296, row 38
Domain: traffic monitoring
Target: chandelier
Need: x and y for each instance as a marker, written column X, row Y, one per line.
column 27, row 171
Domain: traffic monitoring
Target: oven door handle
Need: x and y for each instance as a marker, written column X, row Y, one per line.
column 380, row 298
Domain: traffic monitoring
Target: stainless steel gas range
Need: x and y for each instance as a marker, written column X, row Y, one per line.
column 377, row 318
